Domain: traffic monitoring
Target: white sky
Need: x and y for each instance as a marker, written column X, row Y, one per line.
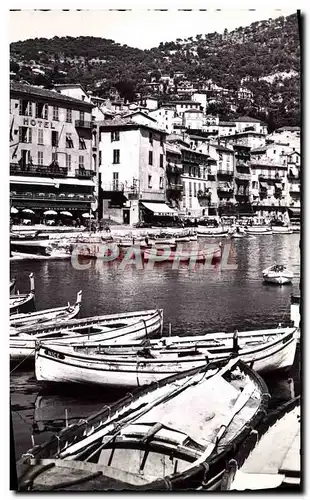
column 136, row 28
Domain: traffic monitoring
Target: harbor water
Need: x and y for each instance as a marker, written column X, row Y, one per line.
column 195, row 300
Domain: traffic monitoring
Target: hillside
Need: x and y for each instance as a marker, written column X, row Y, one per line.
column 263, row 57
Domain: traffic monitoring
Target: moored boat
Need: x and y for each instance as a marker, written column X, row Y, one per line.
column 277, row 274
column 180, row 255
column 104, row 329
column 47, row 316
column 295, row 310
column 134, row 367
column 281, row 230
column 23, row 302
column 258, row 230
column 269, row 458
column 205, row 231
column 173, row 435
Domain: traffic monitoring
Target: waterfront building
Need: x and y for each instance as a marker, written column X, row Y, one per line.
column 268, row 186
column 193, row 119
column 132, row 169
column 242, row 179
column 174, row 185
column 293, row 185
column 247, row 123
column 224, row 157
column 51, row 162
column 288, row 136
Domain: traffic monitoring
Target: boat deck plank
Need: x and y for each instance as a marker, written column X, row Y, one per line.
column 278, row 448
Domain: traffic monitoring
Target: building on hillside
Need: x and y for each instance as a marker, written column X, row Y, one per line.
column 287, row 135
column 293, row 186
column 199, row 143
column 164, row 117
column 244, row 94
column 51, row 157
column 132, row 170
column 201, row 98
column 174, row 186
column 193, row 119
column 182, row 106
column 250, row 138
column 226, row 128
column 247, row 123
column 150, row 102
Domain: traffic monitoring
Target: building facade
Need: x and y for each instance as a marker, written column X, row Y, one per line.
column 132, row 169
column 51, row 163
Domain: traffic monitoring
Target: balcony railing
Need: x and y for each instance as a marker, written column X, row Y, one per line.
column 225, row 172
column 83, row 124
column 223, row 187
column 175, row 187
column 242, row 195
column 113, row 187
column 52, row 196
column 84, row 174
column 270, row 177
column 174, row 168
column 38, row 170
column 242, row 177
column 204, row 195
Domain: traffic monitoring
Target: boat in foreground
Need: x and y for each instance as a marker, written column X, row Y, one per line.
column 127, row 366
column 23, row 302
column 273, row 462
column 47, row 316
column 277, row 274
column 104, row 329
column 180, row 255
column 265, row 230
column 172, row 435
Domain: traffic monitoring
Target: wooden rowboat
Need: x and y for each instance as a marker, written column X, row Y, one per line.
column 177, row 255
column 134, row 367
column 172, row 435
column 104, row 329
column 47, row 316
column 203, row 231
column 23, row 302
column 269, row 459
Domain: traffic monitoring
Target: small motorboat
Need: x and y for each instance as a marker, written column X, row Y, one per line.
column 277, row 274
column 104, row 329
column 125, row 366
column 281, row 230
column 172, row 435
column 23, row 302
column 270, row 457
column 48, row 316
column 13, row 286
column 237, row 232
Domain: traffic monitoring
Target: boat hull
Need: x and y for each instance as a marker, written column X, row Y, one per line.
column 130, row 370
column 278, row 280
column 23, row 345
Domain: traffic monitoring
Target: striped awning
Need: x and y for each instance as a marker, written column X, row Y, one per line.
column 160, row 209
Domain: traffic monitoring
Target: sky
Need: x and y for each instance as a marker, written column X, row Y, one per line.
column 137, row 27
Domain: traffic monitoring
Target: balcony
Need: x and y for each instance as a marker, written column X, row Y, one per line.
column 293, row 177
column 270, row 177
column 175, row 187
column 225, row 172
column 83, row 124
column 242, row 177
column 174, row 168
column 84, row 174
column 113, row 187
column 294, row 188
column 38, row 170
column 242, row 195
column 51, row 196
column 224, row 187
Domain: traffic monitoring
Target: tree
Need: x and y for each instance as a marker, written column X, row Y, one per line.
column 126, row 89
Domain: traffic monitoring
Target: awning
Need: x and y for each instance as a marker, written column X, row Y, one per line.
column 295, row 211
column 160, row 209
column 278, row 185
column 264, row 185
column 48, row 181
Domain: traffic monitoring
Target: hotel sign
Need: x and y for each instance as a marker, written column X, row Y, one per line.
column 38, row 123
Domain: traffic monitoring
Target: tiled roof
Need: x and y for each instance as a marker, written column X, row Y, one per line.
column 48, row 94
column 173, row 148
column 247, row 119
column 289, row 129
column 227, row 124
column 123, row 122
column 261, row 149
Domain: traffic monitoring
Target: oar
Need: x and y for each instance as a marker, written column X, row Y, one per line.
column 239, row 404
